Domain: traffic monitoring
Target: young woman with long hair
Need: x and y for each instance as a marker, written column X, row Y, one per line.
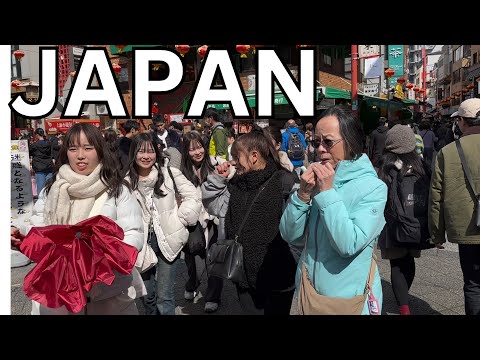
column 196, row 166
column 86, row 183
column 155, row 191
column 268, row 261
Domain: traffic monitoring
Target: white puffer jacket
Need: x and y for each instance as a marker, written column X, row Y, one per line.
column 170, row 221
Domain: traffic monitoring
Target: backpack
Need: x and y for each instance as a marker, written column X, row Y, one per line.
column 406, row 213
column 295, row 149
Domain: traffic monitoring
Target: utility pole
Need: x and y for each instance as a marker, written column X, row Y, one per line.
column 424, row 77
column 355, row 81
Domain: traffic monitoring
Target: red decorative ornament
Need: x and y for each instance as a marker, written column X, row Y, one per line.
column 120, row 48
column 400, row 80
column 416, row 89
column 19, row 54
column 15, row 83
column 182, row 49
column 243, row 50
column 202, row 51
column 389, row 73
column 470, row 86
column 409, row 86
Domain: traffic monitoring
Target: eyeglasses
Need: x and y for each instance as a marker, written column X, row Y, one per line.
column 327, row 143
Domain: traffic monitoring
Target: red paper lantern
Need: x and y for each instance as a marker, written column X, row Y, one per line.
column 400, row 80
column 15, row 83
column 416, row 88
column 19, row 54
column 182, row 49
column 120, row 48
column 409, row 86
column 470, row 86
column 202, row 51
column 243, row 50
column 389, row 73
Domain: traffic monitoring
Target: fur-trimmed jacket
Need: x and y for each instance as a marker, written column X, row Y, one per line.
column 268, row 261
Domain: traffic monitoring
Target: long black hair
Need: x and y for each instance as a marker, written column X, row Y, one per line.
column 260, row 140
column 109, row 175
column 410, row 161
column 206, row 166
column 350, row 129
column 140, row 141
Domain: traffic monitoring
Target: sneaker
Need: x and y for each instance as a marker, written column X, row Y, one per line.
column 211, row 307
column 189, row 295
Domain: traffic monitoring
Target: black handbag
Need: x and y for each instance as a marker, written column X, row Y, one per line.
column 225, row 257
column 196, row 244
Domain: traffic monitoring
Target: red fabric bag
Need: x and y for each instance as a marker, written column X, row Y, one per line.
column 71, row 259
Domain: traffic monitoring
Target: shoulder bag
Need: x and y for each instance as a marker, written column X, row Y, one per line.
column 310, row 302
column 225, row 256
column 466, row 170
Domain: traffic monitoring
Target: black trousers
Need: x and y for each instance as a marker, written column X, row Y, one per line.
column 271, row 303
column 470, row 263
column 402, row 275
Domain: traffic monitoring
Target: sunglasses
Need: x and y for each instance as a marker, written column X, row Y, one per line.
column 327, row 143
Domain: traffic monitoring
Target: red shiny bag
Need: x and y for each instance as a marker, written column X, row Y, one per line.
column 71, row 259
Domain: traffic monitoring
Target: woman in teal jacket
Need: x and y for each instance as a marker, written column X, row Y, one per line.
column 342, row 201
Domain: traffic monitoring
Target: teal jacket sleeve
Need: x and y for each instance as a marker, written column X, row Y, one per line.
column 294, row 220
column 350, row 231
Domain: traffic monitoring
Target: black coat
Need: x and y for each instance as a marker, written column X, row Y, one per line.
column 377, row 144
column 41, row 153
column 268, row 261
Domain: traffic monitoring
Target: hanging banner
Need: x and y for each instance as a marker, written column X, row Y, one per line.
column 395, row 62
column 368, row 50
column 21, row 196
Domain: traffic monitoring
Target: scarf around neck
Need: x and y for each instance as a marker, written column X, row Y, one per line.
column 72, row 196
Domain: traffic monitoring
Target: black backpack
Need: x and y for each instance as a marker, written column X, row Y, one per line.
column 406, row 212
column 296, row 150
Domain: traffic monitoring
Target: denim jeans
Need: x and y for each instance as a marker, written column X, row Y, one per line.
column 166, row 273
column 41, row 178
column 150, row 300
column 470, row 263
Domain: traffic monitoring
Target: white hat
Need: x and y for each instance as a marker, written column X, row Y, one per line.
column 455, row 114
column 470, row 108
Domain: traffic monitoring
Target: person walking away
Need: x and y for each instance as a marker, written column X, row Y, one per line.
column 155, row 192
column 293, row 143
column 339, row 208
column 377, row 142
column 196, row 166
column 453, row 205
column 268, row 261
column 408, row 181
column 41, row 159
column 218, row 145
column 429, row 140
column 86, row 183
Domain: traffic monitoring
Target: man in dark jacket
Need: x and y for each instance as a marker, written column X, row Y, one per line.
column 131, row 129
column 377, row 142
column 41, row 156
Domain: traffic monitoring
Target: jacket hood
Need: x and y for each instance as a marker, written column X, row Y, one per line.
column 293, row 130
column 354, row 169
column 381, row 129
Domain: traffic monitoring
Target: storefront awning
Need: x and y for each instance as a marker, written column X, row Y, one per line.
column 280, row 99
column 114, row 50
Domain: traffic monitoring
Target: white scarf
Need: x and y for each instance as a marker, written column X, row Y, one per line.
column 144, row 193
column 72, row 196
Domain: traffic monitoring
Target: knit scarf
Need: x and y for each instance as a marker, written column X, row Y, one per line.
column 72, row 196
column 145, row 189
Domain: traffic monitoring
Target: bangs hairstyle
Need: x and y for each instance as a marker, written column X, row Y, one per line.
column 140, row 141
column 109, row 175
column 350, row 129
column 187, row 166
column 259, row 140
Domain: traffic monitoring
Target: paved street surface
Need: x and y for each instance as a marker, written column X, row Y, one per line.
column 436, row 290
